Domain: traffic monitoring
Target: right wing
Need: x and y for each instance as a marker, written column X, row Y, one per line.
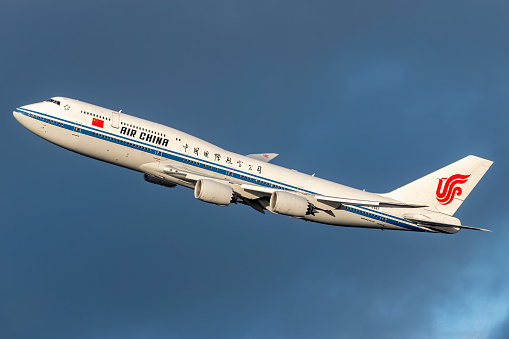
column 265, row 157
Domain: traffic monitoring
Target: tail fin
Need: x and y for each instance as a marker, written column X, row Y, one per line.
column 444, row 190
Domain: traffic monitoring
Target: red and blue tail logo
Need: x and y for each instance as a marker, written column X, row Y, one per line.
column 446, row 191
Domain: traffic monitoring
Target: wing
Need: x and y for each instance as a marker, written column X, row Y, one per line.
column 328, row 203
column 256, row 196
column 168, row 174
column 265, row 157
column 171, row 172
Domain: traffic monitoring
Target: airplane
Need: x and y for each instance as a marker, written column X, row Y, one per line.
column 169, row 157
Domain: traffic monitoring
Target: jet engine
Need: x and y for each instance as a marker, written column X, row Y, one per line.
column 289, row 204
column 213, row 192
column 158, row 180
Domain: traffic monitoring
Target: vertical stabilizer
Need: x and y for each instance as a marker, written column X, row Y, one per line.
column 444, row 190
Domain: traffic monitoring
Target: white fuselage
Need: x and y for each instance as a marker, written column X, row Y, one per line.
column 147, row 147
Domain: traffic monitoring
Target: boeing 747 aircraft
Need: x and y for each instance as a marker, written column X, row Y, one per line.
column 169, row 157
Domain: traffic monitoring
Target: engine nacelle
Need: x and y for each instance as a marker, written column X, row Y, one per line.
column 213, row 192
column 289, row 204
column 158, row 180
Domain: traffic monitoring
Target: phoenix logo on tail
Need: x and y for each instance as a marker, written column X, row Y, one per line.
column 447, row 191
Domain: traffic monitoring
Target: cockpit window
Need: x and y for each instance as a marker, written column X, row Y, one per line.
column 54, row 101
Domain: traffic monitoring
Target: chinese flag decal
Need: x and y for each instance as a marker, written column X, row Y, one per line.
column 97, row 122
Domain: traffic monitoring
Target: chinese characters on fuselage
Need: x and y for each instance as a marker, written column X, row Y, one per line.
column 157, row 140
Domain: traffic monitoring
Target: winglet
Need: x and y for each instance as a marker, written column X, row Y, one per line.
column 265, row 157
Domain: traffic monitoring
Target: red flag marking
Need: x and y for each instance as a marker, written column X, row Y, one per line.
column 97, row 122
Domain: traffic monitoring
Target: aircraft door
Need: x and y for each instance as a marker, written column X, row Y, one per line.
column 115, row 119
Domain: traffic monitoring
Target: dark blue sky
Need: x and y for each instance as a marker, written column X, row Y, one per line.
column 371, row 94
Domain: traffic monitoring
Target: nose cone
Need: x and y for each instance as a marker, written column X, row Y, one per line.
column 17, row 115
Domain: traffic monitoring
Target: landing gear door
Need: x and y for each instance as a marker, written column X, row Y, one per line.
column 115, row 119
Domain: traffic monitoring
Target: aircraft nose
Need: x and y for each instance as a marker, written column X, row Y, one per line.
column 17, row 114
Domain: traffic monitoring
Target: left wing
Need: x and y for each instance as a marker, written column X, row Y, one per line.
column 175, row 172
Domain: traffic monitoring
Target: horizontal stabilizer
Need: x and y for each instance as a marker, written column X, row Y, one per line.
column 336, row 202
column 432, row 224
column 265, row 157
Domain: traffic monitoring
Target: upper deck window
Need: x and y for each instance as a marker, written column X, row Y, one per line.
column 54, row 101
